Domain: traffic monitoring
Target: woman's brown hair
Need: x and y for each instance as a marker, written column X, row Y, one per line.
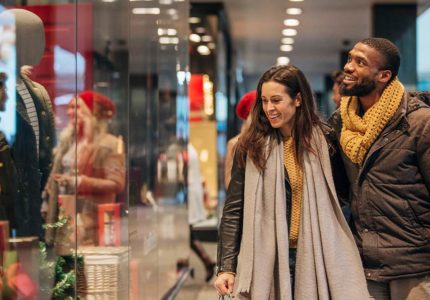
column 253, row 141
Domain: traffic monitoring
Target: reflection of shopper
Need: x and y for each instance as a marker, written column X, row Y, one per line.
column 90, row 158
column 242, row 111
column 282, row 231
column 7, row 167
column 196, row 211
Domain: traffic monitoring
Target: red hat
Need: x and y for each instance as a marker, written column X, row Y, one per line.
column 245, row 104
column 105, row 105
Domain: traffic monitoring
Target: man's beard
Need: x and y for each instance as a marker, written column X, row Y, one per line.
column 359, row 90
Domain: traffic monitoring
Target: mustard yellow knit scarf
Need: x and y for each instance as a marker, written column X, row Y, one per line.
column 359, row 133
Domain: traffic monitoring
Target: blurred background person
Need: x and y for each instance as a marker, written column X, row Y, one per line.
column 242, row 111
column 337, row 77
column 196, row 210
column 88, row 163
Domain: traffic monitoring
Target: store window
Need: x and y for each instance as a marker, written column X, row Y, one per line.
column 94, row 126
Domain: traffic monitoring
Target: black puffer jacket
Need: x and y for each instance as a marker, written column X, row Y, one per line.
column 390, row 196
column 230, row 232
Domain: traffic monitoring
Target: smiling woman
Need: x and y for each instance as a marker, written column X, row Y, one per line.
column 281, row 161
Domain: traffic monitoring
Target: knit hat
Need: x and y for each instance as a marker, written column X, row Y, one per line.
column 245, row 104
column 106, row 108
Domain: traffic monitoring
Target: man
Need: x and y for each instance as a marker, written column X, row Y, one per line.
column 385, row 142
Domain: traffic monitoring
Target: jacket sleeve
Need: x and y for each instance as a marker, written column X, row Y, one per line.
column 338, row 169
column 230, row 231
column 423, row 144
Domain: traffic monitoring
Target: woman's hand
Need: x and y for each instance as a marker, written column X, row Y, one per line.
column 224, row 283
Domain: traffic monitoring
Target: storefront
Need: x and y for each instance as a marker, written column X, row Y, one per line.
column 97, row 146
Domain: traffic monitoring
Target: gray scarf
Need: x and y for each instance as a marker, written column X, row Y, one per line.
column 328, row 264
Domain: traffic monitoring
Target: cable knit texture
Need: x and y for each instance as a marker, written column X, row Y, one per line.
column 295, row 174
column 359, row 133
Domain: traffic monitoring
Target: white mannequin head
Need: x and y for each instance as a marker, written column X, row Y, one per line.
column 30, row 37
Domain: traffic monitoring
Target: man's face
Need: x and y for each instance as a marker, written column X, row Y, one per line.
column 3, row 93
column 361, row 71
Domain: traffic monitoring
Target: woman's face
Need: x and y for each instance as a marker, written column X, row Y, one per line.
column 278, row 106
column 76, row 111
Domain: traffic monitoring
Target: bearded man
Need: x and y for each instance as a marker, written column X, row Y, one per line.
column 384, row 134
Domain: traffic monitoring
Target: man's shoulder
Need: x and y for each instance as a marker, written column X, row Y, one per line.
column 335, row 121
column 416, row 107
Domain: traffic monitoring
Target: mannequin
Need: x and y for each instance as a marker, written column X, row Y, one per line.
column 32, row 148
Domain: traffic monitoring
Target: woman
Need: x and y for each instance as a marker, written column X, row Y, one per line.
column 88, row 163
column 282, row 232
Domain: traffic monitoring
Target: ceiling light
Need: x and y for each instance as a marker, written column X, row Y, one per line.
column 291, row 22
column 294, row 11
column 211, row 46
column 289, row 32
column 167, row 31
column 200, row 30
column 206, row 38
column 296, row 0
column 287, row 41
column 165, row 2
column 164, row 40
column 286, row 48
column 282, row 60
column 172, row 12
column 203, row 50
column 146, row 11
column 195, row 38
column 194, row 20
column 108, row 0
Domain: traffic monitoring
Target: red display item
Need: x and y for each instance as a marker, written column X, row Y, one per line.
column 109, row 224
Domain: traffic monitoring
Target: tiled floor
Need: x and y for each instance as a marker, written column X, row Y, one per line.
column 196, row 288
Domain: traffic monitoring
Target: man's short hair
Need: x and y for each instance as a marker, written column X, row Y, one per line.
column 388, row 50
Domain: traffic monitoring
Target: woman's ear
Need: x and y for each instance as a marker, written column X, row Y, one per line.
column 298, row 100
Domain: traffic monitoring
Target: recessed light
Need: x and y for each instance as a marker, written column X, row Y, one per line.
column 200, row 30
column 206, row 38
column 164, row 40
column 193, row 20
column 146, row 11
column 291, row 22
column 282, row 60
column 287, row 41
column 296, row 0
column 195, row 38
column 203, row 50
column 289, row 32
column 286, row 48
column 211, row 46
column 294, row 11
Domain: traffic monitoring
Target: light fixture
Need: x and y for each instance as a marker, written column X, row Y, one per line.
column 287, row 40
column 167, row 31
column 172, row 12
column 282, row 60
column 289, row 32
column 286, row 48
column 211, row 46
column 203, row 50
column 294, row 11
column 193, row 20
column 146, row 11
column 164, row 40
column 108, row 1
column 296, row 0
column 195, row 38
column 165, row 2
column 206, row 38
column 291, row 22
column 200, row 30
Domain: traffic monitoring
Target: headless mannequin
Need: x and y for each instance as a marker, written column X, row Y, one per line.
column 32, row 148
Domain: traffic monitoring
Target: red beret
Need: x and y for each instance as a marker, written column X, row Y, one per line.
column 107, row 108
column 245, row 104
